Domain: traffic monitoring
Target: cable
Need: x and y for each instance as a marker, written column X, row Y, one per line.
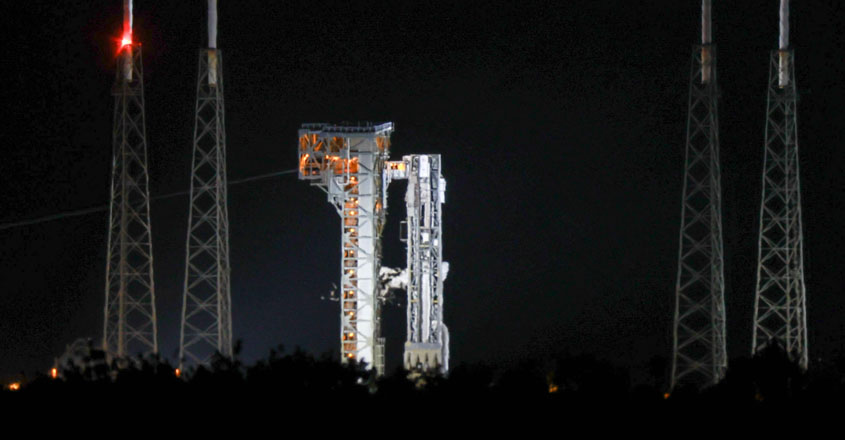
column 261, row 176
column 52, row 217
column 85, row 211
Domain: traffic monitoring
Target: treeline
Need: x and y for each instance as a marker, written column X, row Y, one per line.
column 319, row 384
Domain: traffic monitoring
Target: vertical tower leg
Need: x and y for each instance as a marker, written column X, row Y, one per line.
column 129, row 312
column 206, row 302
column 699, row 356
column 780, row 299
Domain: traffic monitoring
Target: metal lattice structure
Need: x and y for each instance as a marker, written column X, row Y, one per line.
column 780, row 314
column 699, row 352
column 130, row 315
column 347, row 162
column 427, row 343
column 206, row 302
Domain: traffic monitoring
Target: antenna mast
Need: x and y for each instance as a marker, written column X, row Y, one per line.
column 129, row 312
column 206, row 301
column 699, row 356
column 780, row 310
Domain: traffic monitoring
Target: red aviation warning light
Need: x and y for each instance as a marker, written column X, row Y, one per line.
column 124, row 45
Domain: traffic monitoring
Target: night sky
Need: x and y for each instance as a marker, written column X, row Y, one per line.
column 561, row 126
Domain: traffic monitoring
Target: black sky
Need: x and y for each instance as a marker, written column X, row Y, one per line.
column 561, row 126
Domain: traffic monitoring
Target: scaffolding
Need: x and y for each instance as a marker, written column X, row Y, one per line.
column 699, row 355
column 206, row 301
column 129, row 311
column 347, row 162
column 780, row 314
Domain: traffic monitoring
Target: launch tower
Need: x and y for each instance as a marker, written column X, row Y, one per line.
column 347, row 162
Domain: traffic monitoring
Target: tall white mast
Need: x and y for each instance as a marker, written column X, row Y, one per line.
column 699, row 356
column 780, row 309
column 206, row 300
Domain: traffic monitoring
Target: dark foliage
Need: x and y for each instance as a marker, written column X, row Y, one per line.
column 309, row 387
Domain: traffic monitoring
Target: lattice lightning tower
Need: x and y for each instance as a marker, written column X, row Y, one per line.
column 699, row 356
column 206, row 301
column 130, row 315
column 780, row 314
